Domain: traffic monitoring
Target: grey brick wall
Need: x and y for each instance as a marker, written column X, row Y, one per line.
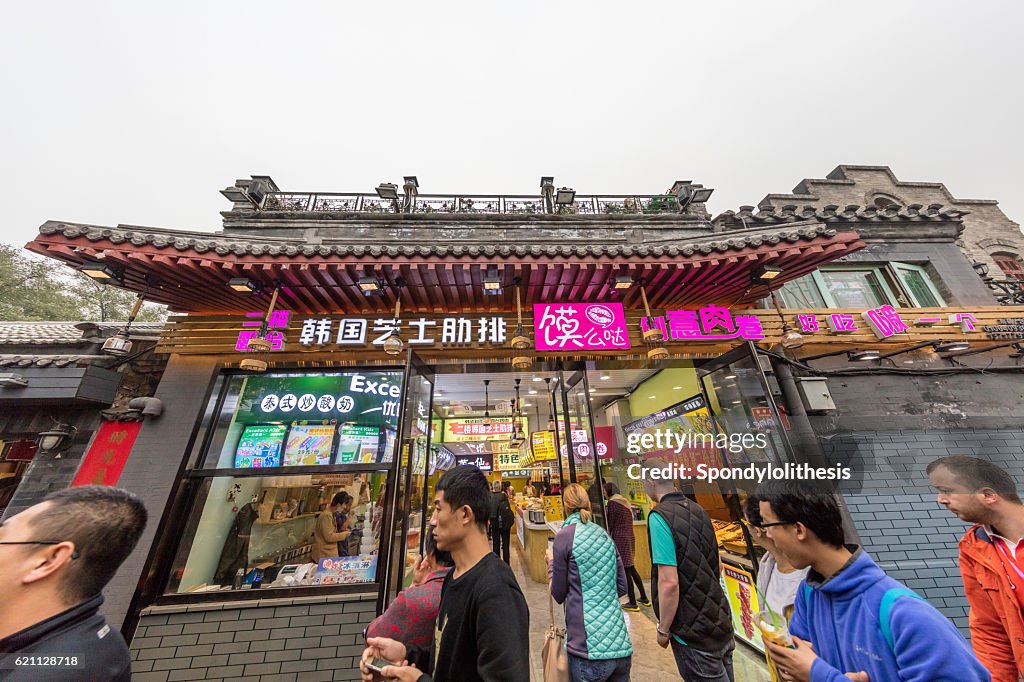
column 266, row 640
column 894, row 510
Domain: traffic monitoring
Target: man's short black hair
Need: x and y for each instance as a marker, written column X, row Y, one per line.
column 441, row 557
column 752, row 510
column 977, row 474
column 341, row 498
column 814, row 507
column 467, row 486
column 104, row 523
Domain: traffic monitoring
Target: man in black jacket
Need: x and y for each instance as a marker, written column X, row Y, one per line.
column 693, row 610
column 57, row 556
column 483, row 624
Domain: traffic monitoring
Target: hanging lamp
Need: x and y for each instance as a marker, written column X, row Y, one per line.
column 652, row 334
column 517, row 413
column 520, row 341
column 790, row 337
column 119, row 344
column 393, row 345
column 487, row 404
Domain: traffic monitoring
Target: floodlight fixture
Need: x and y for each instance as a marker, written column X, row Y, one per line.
column 99, row 271
column 243, row 285
column 764, row 274
column 565, row 196
column 387, row 191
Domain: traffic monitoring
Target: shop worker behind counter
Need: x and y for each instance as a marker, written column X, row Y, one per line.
column 57, row 556
column 482, row 623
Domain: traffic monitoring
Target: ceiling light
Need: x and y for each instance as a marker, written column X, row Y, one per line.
column 492, row 283
column 730, row 376
column 393, row 345
column 99, row 271
column 651, row 397
column 370, row 286
column 533, row 391
column 677, row 388
column 606, row 377
column 862, row 355
column 527, row 404
column 623, row 282
column 538, row 378
column 242, row 284
column 950, row 346
column 791, row 339
column 766, row 273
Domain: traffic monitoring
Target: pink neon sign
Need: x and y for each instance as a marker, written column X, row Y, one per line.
column 580, row 326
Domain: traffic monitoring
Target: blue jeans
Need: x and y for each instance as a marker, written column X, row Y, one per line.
column 607, row 670
column 696, row 665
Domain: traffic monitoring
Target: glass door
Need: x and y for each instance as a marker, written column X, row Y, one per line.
column 407, row 480
column 579, row 443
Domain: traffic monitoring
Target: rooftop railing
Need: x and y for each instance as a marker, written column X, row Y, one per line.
column 461, row 203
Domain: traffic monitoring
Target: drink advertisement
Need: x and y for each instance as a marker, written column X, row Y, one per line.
column 358, row 444
column 346, row 570
column 260, row 446
column 309, row 445
column 738, row 584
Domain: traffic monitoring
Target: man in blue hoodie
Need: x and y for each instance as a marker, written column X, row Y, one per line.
column 851, row 620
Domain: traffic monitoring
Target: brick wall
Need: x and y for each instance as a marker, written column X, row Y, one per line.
column 894, row 510
column 266, row 640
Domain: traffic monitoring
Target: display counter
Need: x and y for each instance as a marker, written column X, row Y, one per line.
column 532, row 540
column 739, row 584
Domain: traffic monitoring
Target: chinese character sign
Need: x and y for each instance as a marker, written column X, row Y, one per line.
column 580, row 326
column 277, row 320
column 710, row 323
column 103, row 463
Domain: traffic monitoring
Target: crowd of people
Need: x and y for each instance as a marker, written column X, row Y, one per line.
column 836, row 615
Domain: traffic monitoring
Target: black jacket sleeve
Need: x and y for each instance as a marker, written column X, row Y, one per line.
column 503, row 631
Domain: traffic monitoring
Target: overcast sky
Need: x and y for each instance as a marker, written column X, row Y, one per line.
column 139, row 112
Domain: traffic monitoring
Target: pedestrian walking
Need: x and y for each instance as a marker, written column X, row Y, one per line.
column 991, row 557
column 620, row 527
column 57, row 557
column 586, row 574
column 693, row 612
column 777, row 579
column 502, row 519
column 850, row 618
column 483, row 624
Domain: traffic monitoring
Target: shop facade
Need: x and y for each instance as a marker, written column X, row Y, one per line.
column 242, row 461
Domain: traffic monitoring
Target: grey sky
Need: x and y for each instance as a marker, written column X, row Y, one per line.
column 138, row 112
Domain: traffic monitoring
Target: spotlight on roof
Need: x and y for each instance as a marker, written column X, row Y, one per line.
column 950, row 346
column 242, row 284
column 862, row 355
column 688, row 193
column 370, row 286
column 766, row 273
column 565, row 196
column 387, row 190
column 623, row 282
column 99, row 271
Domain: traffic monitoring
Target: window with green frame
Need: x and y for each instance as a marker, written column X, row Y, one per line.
column 901, row 285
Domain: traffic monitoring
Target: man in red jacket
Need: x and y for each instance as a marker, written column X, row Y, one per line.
column 991, row 557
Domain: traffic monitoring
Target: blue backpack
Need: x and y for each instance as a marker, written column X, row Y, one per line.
column 890, row 596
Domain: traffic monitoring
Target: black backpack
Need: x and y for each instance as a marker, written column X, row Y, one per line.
column 503, row 511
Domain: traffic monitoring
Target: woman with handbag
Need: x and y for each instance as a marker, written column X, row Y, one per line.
column 585, row 569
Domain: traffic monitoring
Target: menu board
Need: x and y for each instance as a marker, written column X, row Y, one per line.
column 260, row 446
column 309, row 445
column 358, row 444
column 543, row 445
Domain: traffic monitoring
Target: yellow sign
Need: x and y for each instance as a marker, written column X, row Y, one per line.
column 739, row 587
column 471, row 430
column 553, row 509
column 504, row 461
column 543, row 445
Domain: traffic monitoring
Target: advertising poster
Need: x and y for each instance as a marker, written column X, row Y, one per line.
column 358, row 444
column 739, row 587
column 553, row 509
column 370, row 398
column 543, row 445
column 309, row 445
column 103, row 463
column 346, row 570
column 462, row 430
column 260, row 446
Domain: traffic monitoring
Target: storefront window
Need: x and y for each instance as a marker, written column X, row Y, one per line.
column 273, row 453
column 896, row 284
column 855, row 288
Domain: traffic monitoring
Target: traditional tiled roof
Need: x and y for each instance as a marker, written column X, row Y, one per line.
column 63, row 333
column 224, row 245
column 833, row 213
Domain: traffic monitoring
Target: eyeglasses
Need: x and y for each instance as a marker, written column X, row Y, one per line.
column 777, row 523
column 74, row 555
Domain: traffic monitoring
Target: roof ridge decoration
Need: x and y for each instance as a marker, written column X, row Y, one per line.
column 833, row 213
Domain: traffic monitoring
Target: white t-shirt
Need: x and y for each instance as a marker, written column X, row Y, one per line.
column 778, row 588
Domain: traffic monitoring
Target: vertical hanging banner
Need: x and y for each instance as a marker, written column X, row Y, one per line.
column 105, row 460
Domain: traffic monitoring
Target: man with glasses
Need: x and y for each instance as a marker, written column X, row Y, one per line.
column 56, row 558
column 851, row 620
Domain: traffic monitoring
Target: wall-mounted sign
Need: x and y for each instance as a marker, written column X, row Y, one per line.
column 369, row 398
column 500, row 428
column 422, row 331
column 1006, row 328
column 580, row 326
column 103, row 463
column 309, row 445
column 482, row 461
column 710, row 323
column 542, row 444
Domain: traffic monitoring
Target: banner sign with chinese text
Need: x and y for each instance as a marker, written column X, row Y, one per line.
column 368, row 398
column 105, row 460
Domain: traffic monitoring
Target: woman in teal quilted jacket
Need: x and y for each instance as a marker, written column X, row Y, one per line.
column 586, row 574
